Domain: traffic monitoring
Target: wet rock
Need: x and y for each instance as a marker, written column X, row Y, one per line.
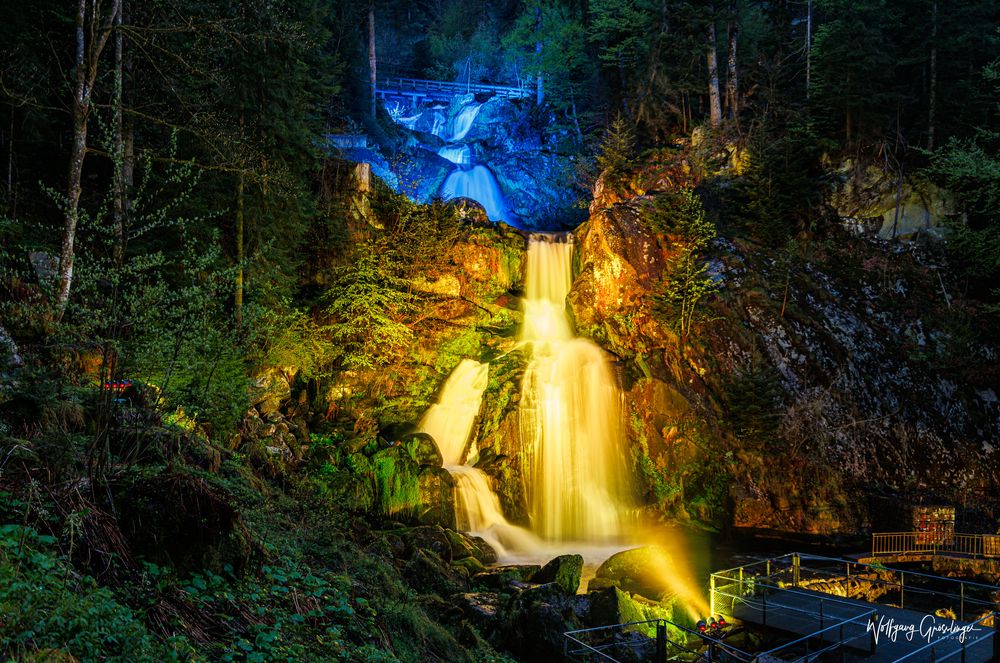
column 471, row 565
column 503, row 578
column 564, row 570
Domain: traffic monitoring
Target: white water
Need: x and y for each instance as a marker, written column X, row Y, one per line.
column 458, row 154
column 450, row 420
column 463, row 122
column 571, row 413
column 479, row 184
column 478, row 511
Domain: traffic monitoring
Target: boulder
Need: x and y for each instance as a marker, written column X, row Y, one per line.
column 427, row 573
column 422, row 449
column 432, row 538
column 639, row 571
column 537, row 619
column 564, row 570
column 503, row 578
column 437, row 504
column 480, row 608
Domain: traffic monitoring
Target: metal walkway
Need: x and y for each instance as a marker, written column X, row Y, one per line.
column 810, row 596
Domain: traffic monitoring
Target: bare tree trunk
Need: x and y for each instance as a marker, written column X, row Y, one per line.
column 371, row 54
column 932, row 94
column 238, row 299
column 119, row 147
column 715, row 107
column 809, row 30
column 732, row 78
column 540, row 89
column 87, row 55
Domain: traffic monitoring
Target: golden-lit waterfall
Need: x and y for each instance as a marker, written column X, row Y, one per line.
column 571, row 415
column 450, row 420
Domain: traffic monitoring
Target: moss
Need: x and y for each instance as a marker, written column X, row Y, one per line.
column 397, row 483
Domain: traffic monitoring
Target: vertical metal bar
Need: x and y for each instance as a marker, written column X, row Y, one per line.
column 961, row 609
column 661, row 642
column 963, row 651
column 795, row 569
column 996, row 637
column 711, row 594
column 902, row 589
column 763, row 597
column 933, row 655
column 843, row 647
column 821, row 614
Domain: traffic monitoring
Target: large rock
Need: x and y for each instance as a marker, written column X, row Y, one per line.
column 641, row 571
column 538, row 617
column 427, row 573
column 432, row 538
column 564, row 570
column 437, row 502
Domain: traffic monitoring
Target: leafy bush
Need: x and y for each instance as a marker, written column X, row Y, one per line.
column 46, row 606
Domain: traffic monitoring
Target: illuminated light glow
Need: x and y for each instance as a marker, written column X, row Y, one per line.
column 570, row 414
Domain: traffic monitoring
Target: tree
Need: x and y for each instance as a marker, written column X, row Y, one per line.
column 92, row 30
column 686, row 281
column 714, row 102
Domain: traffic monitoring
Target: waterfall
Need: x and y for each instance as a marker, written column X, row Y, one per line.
column 462, row 122
column 450, row 420
column 479, row 184
column 457, row 154
column 571, row 414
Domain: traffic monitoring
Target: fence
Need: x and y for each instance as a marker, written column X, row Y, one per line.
column 886, row 544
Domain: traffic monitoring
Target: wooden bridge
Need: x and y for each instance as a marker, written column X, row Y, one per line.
column 415, row 91
column 810, row 597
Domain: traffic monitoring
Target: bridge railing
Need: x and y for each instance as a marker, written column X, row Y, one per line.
column 419, row 85
column 891, row 544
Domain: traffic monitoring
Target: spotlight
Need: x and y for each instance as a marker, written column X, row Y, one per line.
column 722, row 622
column 702, row 626
column 713, row 624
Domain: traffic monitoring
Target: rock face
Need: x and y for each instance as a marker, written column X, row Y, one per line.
column 856, row 359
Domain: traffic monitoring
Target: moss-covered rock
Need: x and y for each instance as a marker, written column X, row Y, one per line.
column 503, row 578
column 564, row 570
column 639, row 571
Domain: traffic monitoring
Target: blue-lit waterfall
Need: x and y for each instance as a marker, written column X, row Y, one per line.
column 469, row 180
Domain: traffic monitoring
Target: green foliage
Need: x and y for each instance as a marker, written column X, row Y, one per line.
column 781, row 182
column 686, row 281
column 617, row 153
column 367, row 303
column 47, row 606
column 753, row 398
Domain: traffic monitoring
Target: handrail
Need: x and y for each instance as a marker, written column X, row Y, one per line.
column 417, row 84
column 936, row 543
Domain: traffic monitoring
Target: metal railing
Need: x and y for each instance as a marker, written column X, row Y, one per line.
column 943, row 544
column 427, row 87
column 819, row 573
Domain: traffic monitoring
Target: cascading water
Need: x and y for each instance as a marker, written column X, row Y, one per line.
column 462, row 122
column 479, row 184
column 458, row 154
column 570, row 413
column 450, row 422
